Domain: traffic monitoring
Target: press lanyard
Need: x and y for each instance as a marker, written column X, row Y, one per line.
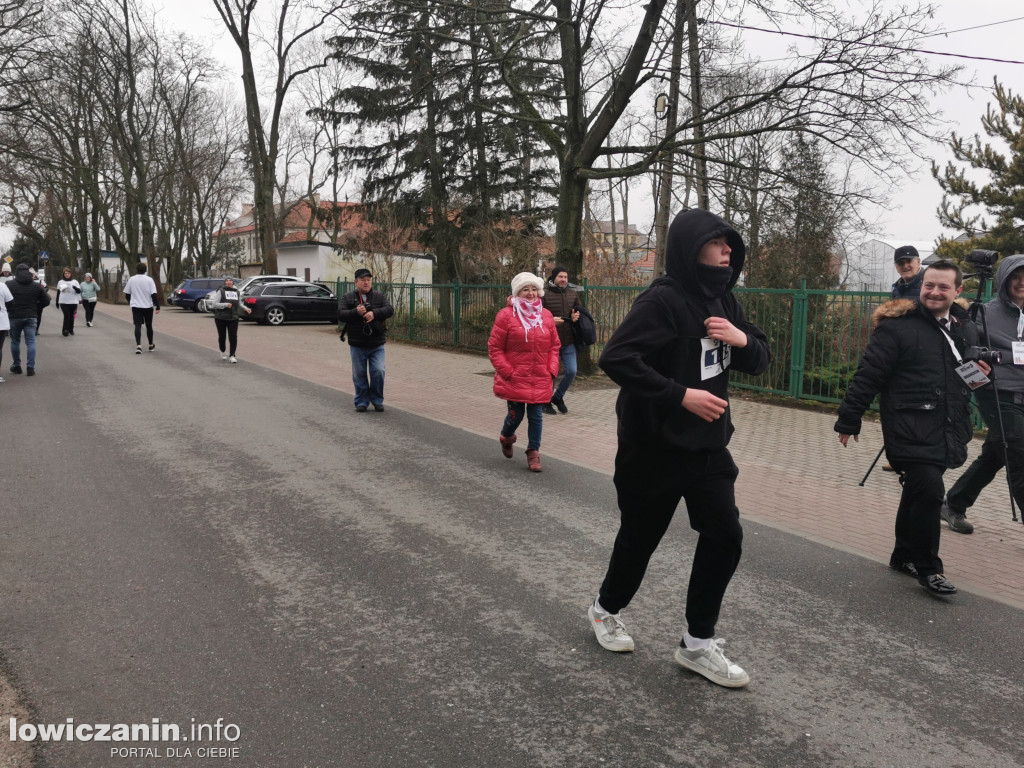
column 952, row 344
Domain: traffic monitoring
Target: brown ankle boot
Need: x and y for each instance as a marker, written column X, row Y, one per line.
column 533, row 460
column 506, row 445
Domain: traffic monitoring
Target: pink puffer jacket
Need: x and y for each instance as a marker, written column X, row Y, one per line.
column 525, row 366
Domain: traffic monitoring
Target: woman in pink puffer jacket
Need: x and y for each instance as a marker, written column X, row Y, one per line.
column 524, row 352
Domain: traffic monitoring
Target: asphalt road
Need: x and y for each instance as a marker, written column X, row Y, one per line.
column 192, row 541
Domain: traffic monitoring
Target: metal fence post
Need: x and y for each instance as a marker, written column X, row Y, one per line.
column 798, row 355
column 458, row 311
column 412, row 309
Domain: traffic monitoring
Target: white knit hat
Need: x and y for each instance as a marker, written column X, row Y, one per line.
column 524, row 279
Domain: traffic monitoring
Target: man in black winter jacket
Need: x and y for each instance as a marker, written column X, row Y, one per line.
column 364, row 311
column 29, row 299
column 915, row 360
column 671, row 357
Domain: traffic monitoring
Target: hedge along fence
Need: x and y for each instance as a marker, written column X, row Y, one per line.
column 817, row 337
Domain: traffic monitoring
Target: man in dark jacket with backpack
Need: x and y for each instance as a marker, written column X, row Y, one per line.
column 671, row 356
column 915, row 359
column 364, row 312
column 564, row 305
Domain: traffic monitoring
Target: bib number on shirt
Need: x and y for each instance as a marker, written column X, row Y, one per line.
column 715, row 358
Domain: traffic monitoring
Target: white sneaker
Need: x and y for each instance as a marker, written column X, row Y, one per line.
column 2, row 379
column 611, row 632
column 232, row 359
column 711, row 663
column 223, row 355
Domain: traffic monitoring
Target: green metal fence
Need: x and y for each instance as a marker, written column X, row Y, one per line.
column 817, row 337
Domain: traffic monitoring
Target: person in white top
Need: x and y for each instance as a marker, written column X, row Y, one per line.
column 5, row 320
column 69, row 294
column 140, row 290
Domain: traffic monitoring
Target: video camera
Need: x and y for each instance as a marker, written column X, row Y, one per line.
column 983, row 260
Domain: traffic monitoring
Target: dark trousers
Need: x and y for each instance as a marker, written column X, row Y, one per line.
column 650, row 480
column 140, row 316
column 3, row 338
column 227, row 328
column 90, row 310
column 983, row 469
column 69, row 311
column 917, row 519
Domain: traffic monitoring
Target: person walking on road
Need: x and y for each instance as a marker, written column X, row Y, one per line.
column 671, row 356
column 6, row 304
column 364, row 312
column 40, row 279
column 69, row 292
column 28, row 298
column 90, row 295
column 227, row 307
column 523, row 348
column 1004, row 317
column 564, row 305
column 140, row 290
column 915, row 360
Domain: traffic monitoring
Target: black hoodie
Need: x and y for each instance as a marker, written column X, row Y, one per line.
column 662, row 348
column 29, row 296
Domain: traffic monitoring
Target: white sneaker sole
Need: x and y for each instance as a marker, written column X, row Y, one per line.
column 727, row 682
column 611, row 645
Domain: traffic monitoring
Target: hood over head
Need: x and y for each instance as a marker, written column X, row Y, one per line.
column 1006, row 268
column 689, row 231
column 23, row 274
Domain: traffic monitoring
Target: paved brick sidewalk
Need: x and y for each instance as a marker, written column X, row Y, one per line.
column 794, row 474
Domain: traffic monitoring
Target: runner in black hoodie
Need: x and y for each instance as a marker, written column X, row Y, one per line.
column 671, row 356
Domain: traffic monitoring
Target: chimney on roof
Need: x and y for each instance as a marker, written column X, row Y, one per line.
column 316, row 199
column 246, row 208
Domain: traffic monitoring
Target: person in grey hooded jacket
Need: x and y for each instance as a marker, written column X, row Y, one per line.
column 1004, row 317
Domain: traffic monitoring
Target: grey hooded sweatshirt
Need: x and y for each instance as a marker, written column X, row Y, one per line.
column 1005, row 321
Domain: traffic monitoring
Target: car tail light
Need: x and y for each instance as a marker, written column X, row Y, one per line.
column 180, row 292
column 250, row 300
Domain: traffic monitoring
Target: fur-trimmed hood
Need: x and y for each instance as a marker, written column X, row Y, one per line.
column 902, row 307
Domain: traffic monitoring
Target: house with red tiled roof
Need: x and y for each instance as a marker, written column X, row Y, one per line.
column 329, row 240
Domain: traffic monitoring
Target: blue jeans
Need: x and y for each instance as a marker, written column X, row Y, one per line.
column 28, row 325
column 567, row 354
column 369, row 387
column 535, row 416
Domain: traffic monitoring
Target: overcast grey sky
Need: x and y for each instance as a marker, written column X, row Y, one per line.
column 912, row 217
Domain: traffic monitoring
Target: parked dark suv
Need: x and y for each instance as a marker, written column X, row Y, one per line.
column 190, row 291
column 274, row 303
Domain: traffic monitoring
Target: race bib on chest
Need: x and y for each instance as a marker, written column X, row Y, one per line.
column 714, row 358
column 230, row 295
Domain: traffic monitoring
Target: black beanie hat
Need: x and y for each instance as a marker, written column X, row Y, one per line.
column 556, row 272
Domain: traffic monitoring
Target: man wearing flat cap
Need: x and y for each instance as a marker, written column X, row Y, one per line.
column 908, row 264
column 364, row 311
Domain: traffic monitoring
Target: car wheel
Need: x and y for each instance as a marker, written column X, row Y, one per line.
column 195, row 305
column 275, row 315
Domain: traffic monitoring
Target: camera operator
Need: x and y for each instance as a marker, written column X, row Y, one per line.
column 1004, row 318
column 915, row 359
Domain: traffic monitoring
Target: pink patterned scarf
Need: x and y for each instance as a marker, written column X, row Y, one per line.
column 530, row 313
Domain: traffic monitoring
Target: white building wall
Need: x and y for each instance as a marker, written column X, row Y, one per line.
column 870, row 266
